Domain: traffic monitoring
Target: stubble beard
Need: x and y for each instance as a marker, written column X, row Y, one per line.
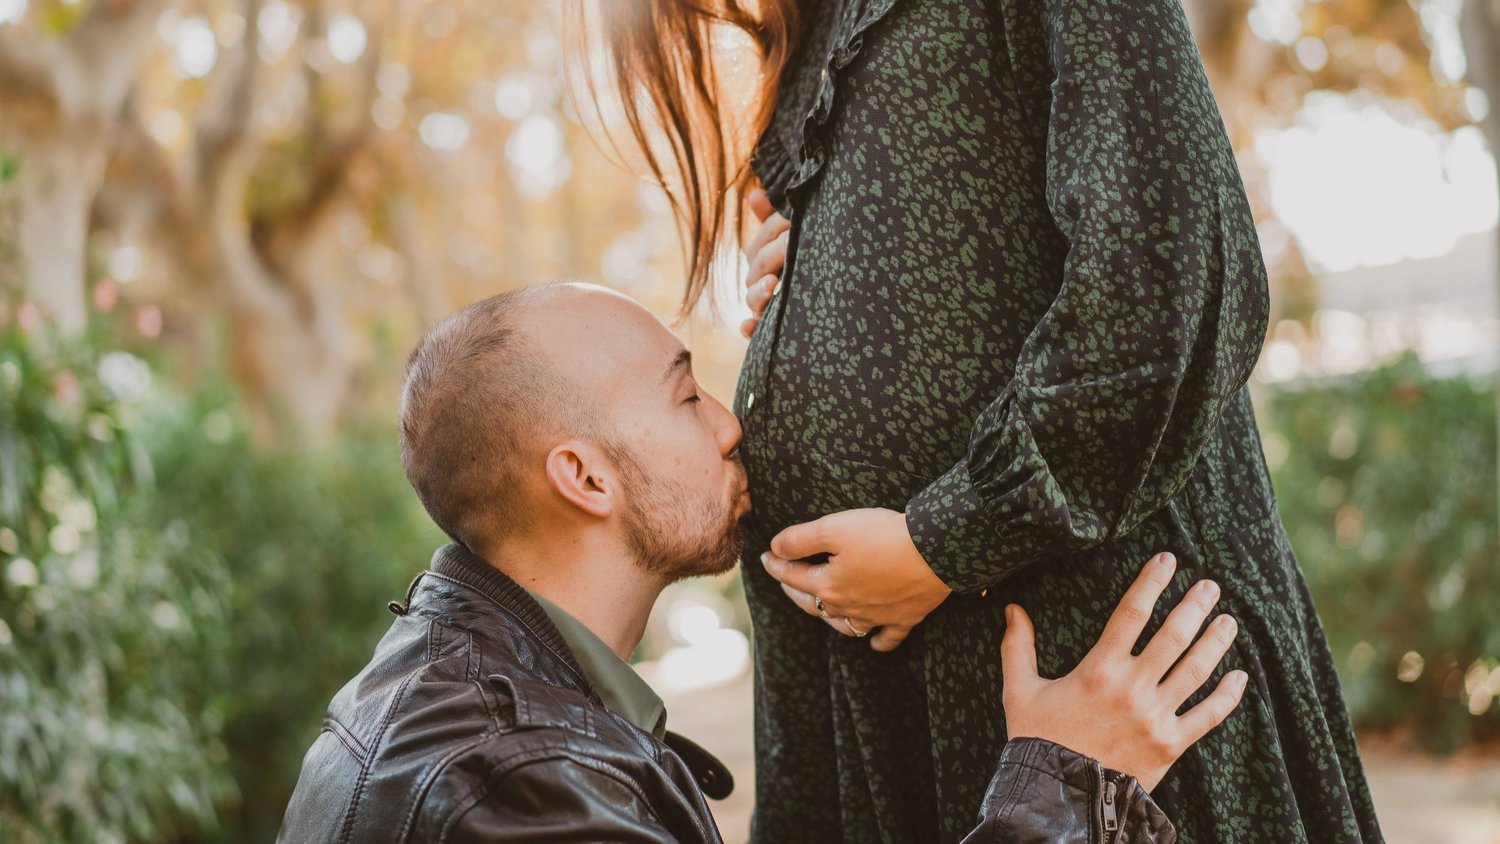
column 676, row 533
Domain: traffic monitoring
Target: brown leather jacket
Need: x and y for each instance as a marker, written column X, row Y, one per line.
column 474, row 723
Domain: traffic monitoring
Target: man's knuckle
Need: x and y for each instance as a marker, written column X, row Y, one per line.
column 1162, row 741
column 1197, row 673
column 1134, row 613
column 1096, row 681
column 1174, row 638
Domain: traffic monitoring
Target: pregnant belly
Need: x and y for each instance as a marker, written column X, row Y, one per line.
column 793, row 485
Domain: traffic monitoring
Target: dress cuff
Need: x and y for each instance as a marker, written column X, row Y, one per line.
column 952, row 530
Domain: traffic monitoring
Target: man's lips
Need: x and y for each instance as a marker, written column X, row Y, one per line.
column 742, row 501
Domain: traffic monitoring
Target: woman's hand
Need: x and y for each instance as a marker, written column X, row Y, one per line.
column 874, row 577
column 766, row 255
column 1122, row 709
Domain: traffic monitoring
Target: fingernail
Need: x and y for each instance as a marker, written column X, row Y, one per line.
column 1239, row 678
column 1166, row 560
column 1209, row 588
column 765, row 559
column 1010, row 613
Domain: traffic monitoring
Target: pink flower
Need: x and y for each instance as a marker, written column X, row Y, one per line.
column 148, row 321
column 106, row 294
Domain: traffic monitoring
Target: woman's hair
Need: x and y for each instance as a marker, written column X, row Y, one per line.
column 660, row 57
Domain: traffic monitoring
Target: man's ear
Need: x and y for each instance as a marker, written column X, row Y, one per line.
column 579, row 473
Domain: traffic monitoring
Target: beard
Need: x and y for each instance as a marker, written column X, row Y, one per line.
column 676, row 532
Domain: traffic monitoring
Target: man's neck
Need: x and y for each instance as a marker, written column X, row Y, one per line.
column 593, row 581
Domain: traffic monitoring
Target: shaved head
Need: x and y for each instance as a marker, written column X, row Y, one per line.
column 518, row 408
column 478, row 398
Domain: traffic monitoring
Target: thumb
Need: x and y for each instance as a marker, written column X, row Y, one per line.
column 1018, row 649
column 802, row 540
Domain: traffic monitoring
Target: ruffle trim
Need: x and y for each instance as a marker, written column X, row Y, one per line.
column 781, row 172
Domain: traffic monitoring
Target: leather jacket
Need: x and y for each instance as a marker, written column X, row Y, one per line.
column 474, row 723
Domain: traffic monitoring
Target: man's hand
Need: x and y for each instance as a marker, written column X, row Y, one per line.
column 766, row 255
column 1122, row 709
column 874, row 576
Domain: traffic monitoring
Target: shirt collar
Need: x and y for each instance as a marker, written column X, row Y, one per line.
column 617, row 684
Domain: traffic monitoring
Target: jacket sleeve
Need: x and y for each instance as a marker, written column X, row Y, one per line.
column 1044, row 793
column 1157, row 322
column 554, row 799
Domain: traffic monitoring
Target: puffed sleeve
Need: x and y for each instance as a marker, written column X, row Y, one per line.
column 1156, row 325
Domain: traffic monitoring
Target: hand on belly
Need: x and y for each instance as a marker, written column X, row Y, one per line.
column 874, row 576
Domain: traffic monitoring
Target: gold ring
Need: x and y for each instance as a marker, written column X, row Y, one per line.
column 818, row 602
column 858, row 633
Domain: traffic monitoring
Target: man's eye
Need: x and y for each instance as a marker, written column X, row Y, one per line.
column 694, row 398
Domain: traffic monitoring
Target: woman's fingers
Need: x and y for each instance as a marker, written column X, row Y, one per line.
column 889, row 638
column 770, row 259
column 1129, row 618
column 1194, row 670
column 1211, row 712
column 838, row 621
column 768, row 232
column 766, row 255
column 760, row 294
column 1179, row 630
column 809, row 603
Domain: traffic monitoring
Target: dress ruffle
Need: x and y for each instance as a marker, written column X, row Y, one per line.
column 787, row 157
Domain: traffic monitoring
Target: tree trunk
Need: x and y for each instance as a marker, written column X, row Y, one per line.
column 60, row 102
column 55, row 187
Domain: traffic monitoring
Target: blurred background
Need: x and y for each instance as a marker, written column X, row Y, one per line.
column 224, row 224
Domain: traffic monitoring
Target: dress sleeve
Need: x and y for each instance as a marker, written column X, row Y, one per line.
column 1157, row 322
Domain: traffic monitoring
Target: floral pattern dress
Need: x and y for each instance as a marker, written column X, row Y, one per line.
column 1022, row 298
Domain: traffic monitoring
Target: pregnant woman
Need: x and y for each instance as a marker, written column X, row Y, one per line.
column 1004, row 359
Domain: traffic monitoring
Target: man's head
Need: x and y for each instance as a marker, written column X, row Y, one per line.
column 549, row 411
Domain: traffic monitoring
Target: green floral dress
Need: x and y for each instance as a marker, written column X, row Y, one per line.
column 1023, row 297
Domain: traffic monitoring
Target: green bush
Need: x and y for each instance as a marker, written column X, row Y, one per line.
column 176, row 605
column 1387, row 485
column 110, row 628
column 315, row 543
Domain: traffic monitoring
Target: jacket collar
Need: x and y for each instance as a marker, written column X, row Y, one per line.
column 458, row 563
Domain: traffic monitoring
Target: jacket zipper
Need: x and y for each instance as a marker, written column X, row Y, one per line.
column 1110, row 820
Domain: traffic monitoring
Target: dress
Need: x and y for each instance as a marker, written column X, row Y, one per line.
column 1023, row 294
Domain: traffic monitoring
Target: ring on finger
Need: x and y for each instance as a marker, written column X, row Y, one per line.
column 818, row 602
column 858, row 633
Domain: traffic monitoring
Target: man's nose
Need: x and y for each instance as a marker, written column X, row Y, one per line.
column 726, row 427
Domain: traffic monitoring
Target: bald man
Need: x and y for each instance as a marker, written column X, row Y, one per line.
column 558, row 436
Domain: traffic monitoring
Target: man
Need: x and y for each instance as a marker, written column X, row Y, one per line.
column 558, row 436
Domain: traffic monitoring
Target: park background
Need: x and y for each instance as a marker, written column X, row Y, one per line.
column 223, row 224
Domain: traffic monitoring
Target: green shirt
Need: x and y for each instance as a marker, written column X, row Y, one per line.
column 621, row 689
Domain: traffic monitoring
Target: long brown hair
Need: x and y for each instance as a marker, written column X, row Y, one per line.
column 661, row 62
